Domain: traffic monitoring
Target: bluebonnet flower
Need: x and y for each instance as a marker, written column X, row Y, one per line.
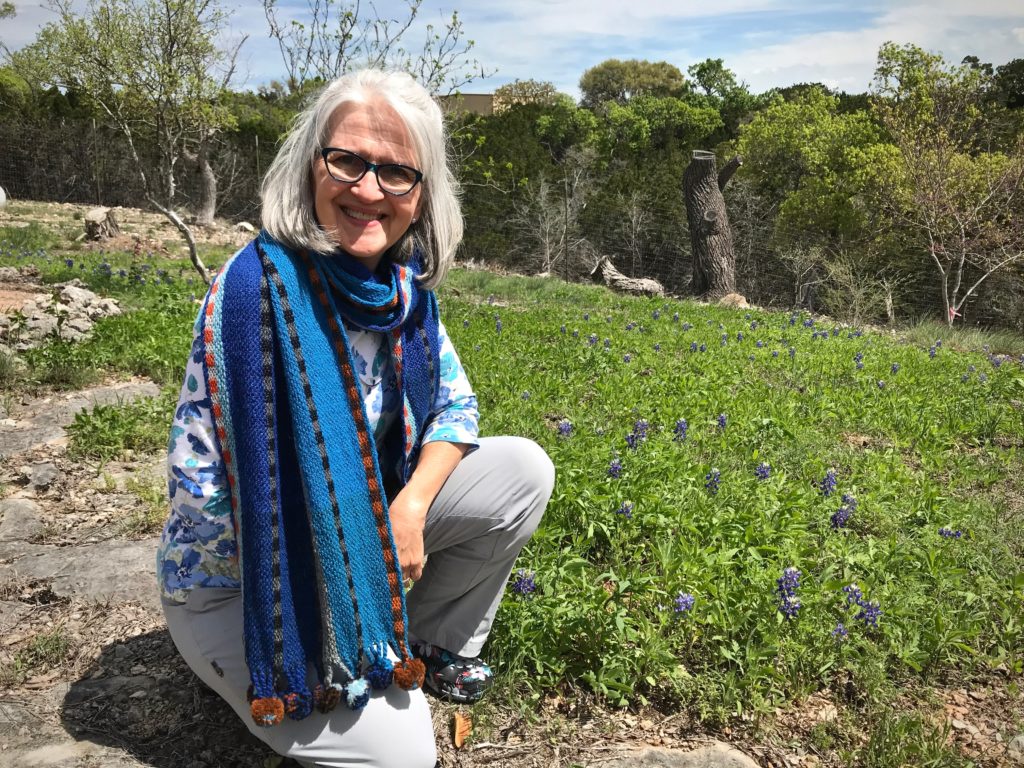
column 759, row 344
column 841, row 516
column 575, row 333
column 625, row 509
column 490, row 299
column 859, row 360
column 607, row 343
column 627, row 357
column 657, row 347
column 792, row 352
column 827, row 485
column 966, row 377
column 840, row 633
column 675, row 317
column 971, row 369
column 526, row 394
column 630, row 326
column 725, row 339
column 122, row 273
column 69, row 263
column 895, row 368
column 785, row 588
column 497, row 324
column 950, row 533
column 615, row 468
column 592, row 339
column 656, row 314
column 753, row 325
column 938, row 343
column 763, row 471
column 565, row 428
column 712, row 480
column 525, row 584
column 683, row 602
column 562, row 330
column 808, row 323
column 465, row 324
column 775, row 353
column 881, row 383
column 982, row 378
column 792, row 319
column 693, row 346
column 586, row 316
column 869, row 613
column 680, row 430
column 686, row 326
column 932, row 351
column 608, row 319
column 639, row 434
column 739, row 336
column 703, row 347
column 853, row 594
column 721, row 422
column 751, row 357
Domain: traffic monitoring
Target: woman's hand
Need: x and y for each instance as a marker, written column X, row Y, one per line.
column 409, row 509
column 408, row 517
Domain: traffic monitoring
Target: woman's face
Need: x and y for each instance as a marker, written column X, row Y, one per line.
column 360, row 217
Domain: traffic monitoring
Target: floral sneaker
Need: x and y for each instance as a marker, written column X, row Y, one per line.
column 452, row 677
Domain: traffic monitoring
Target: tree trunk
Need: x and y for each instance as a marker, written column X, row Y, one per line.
column 206, row 205
column 714, row 263
column 101, row 224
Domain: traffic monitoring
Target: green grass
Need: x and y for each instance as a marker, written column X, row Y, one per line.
column 933, row 444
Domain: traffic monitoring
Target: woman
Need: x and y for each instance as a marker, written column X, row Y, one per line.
column 326, row 441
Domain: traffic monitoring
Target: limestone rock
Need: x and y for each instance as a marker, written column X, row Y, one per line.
column 716, row 755
column 734, row 300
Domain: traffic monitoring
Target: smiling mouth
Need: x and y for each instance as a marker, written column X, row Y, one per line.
column 361, row 216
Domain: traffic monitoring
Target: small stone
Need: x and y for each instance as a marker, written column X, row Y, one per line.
column 43, row 475
column 137, row 695
column 139, row 669
column 1016, row 743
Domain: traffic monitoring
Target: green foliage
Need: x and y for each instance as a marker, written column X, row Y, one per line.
column 107, row 431
column 619, row 81
column 922, row 451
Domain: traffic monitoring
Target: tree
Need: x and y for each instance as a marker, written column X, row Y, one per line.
column 154, row 70
column 714, row 262
column 620, row 81
column 331, row 36
column 520, row 92
column 957, row 200
column 721, row 91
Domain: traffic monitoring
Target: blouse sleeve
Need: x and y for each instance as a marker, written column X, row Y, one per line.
column 198, row 546
column 455, row 408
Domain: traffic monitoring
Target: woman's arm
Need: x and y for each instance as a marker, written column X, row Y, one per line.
column 409, row 508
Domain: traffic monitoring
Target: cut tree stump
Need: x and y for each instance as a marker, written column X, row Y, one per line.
column 605, row 272
column 101, row 224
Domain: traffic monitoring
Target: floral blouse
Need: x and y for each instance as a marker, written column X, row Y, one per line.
column 198, row 547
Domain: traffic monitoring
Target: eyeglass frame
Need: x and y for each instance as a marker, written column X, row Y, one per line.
column 375, row 167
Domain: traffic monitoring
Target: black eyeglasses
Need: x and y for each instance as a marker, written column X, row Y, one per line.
column 348, row 168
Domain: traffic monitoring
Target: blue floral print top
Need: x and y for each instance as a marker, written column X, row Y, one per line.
column 199, row 547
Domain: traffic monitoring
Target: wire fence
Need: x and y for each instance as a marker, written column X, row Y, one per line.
column 644, row 235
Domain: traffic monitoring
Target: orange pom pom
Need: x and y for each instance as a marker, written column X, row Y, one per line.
column 409, row 674
column 267, row 712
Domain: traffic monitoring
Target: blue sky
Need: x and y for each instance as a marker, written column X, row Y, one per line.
column 767, row 43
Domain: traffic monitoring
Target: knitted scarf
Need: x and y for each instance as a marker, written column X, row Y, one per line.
column 321, row 584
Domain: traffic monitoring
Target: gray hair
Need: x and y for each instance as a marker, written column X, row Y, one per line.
column 289, row 209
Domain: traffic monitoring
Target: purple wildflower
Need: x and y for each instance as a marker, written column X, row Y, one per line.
column 627, row 357
column 563, row 330
column 607, row 343
column 625, row 509
column 712, row 480
column 763, row 471
column 739, row 336
column 895, row 368
column 586, row 316
column 656, row 314
column 683, row 602
column 982, row 378
column 759, row 344
column 775, row 353
column 565, row 428
column 827, row 486
column 657, row 347
column 575, row 333
column 497, row 324
column 869, row 613
column 675, row 317
column 680, row 430
column 693, row 346
column 615, row 468
column 859, row 360
column 525, row 584
column 840, row 633
column 592, row 339
column 881, row 383
column 69, row 263
column 753, row 325
column 721, row 422
column 932, row 351
column 841, row 516
column 792, row 352
column 950, row 533
column 853, row 594
column 703, row 347
column 785, row 588
column 526, row 394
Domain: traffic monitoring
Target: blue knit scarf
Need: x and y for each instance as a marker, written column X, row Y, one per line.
column 321, row 584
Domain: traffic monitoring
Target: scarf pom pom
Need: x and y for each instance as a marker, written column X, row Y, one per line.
column 326, row 697
column 267, row 711
column 297, row 705
column 357, row 694
column 409, row 674
column 380, row 673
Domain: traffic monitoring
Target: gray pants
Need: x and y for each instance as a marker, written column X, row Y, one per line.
column 486, row 511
